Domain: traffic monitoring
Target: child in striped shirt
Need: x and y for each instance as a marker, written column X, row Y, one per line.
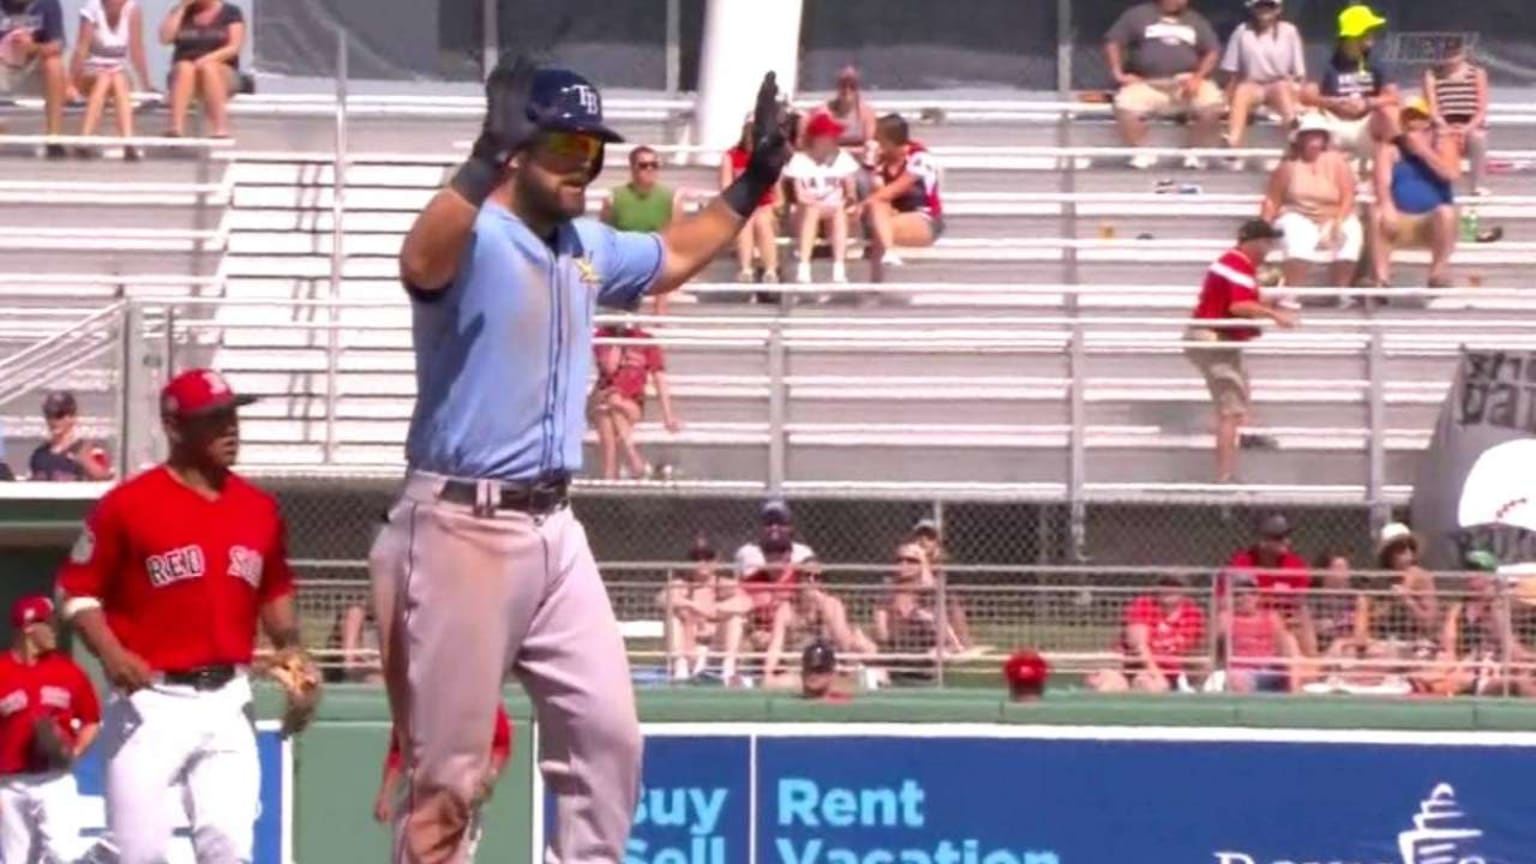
column 1457, row 93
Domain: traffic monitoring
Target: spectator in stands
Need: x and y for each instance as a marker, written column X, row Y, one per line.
column 618, row 396
column 1477, row 639
column 207, row 35
column 926, row 537
column 1161, row 55
column 760, row 235
column 1164, row 643
column 1354, row 95
column 1280, row 574
column 854, row 117
column 775, row 543
column 32, row 59
column 811, row 615
column 904, row 210
column 1457, row 93
column 823, row 177
column 644, row 203
column 905, row 623
column 703, row 610
column 1231, row 290
column 1265, row 64
column 1311, row 200
column 1334, row 615
column 767, row 566
column 111, row 37
column 1404, row 608
column 1416, row 170
column 1260, row 651
column 354, row 638
column 66, row 455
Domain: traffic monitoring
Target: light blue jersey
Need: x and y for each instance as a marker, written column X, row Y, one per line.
column 503, row 354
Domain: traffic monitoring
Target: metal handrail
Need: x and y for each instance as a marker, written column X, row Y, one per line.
column 16, row 364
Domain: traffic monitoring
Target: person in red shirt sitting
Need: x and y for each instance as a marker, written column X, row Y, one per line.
column 1282, row 576
column 1231, row 290
column 1163, row 642
column 1260, row 651
column 39, row 802
column 618, row 398
column 394, row 769
column 761, row 233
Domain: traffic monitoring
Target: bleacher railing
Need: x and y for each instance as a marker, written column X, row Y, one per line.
column 1472, row 633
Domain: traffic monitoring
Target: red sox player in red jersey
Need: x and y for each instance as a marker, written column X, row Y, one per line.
column 38, row 802
column 166, row 585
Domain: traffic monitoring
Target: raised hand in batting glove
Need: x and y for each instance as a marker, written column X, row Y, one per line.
column 295, row 671
column 506, row 128
column 770, row 150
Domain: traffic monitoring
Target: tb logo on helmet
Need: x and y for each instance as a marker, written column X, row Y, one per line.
column 589, row 99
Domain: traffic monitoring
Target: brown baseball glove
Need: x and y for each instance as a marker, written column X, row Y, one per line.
column 52, row 749
column 295, row 671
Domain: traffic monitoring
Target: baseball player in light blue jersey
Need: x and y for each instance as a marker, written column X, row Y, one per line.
column 482, row 568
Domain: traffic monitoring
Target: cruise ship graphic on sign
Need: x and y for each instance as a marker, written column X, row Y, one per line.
column 1440, row 833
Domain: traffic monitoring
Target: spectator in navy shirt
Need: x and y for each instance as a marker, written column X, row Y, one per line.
column 32, row 58
column 206, row 35
column 65, row 455
column 1354, row 96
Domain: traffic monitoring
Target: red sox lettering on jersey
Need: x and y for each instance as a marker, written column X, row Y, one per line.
column 158, row 556
column 53, row 686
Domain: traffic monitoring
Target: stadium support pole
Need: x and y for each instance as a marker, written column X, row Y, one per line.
column 338, row 246
column 743, row 40
column 1376, row 453
column 490, row 36
column 674, row 47
column 1063, row 47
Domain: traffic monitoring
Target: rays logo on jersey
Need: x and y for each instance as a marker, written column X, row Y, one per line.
column 588, row 270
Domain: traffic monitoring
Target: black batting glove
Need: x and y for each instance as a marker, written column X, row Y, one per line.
column 770, row 151
column 506, row 130
column 770, row 133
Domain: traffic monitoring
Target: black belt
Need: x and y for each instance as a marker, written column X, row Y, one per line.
column 537, row 497
column 203, row 677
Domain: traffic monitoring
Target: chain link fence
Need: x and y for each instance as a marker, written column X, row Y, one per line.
column 1153, row 629
column 332, row 523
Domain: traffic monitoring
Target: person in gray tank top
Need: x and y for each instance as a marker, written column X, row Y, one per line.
column 852, row 113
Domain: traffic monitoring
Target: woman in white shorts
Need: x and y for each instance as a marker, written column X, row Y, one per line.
column 1311, row 197
column 111, row 36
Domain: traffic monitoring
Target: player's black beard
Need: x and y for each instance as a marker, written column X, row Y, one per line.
column 540, row 205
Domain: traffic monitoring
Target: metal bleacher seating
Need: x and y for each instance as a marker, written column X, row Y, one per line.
column 973, row 344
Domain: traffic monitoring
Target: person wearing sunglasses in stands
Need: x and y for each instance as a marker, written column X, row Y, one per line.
column 643, row 204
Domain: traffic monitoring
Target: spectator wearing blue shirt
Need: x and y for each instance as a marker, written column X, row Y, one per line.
column 66, row 456
column 32, row 58
column 1355, row 97
column 1416, row 168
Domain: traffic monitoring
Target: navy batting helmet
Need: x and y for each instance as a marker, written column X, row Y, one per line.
column 562, row 101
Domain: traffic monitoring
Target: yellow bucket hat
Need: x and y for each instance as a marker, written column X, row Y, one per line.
column 1358, row 20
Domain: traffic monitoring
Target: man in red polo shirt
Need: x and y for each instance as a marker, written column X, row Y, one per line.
column 166, row 585
column 1282, row 577
column 1231, row 290
column 39, row 686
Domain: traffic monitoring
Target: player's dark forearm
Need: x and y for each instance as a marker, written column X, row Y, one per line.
column 92, row 626
column 280, row 622
column 429, row 258
column 690, row 244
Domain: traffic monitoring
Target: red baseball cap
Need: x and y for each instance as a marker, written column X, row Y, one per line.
column 823, row 126
column 199, row 391
column 31, row 610
column 1026, row 671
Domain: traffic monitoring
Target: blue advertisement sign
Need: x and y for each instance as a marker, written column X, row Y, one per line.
column 272, row 823
column 1041, row 796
